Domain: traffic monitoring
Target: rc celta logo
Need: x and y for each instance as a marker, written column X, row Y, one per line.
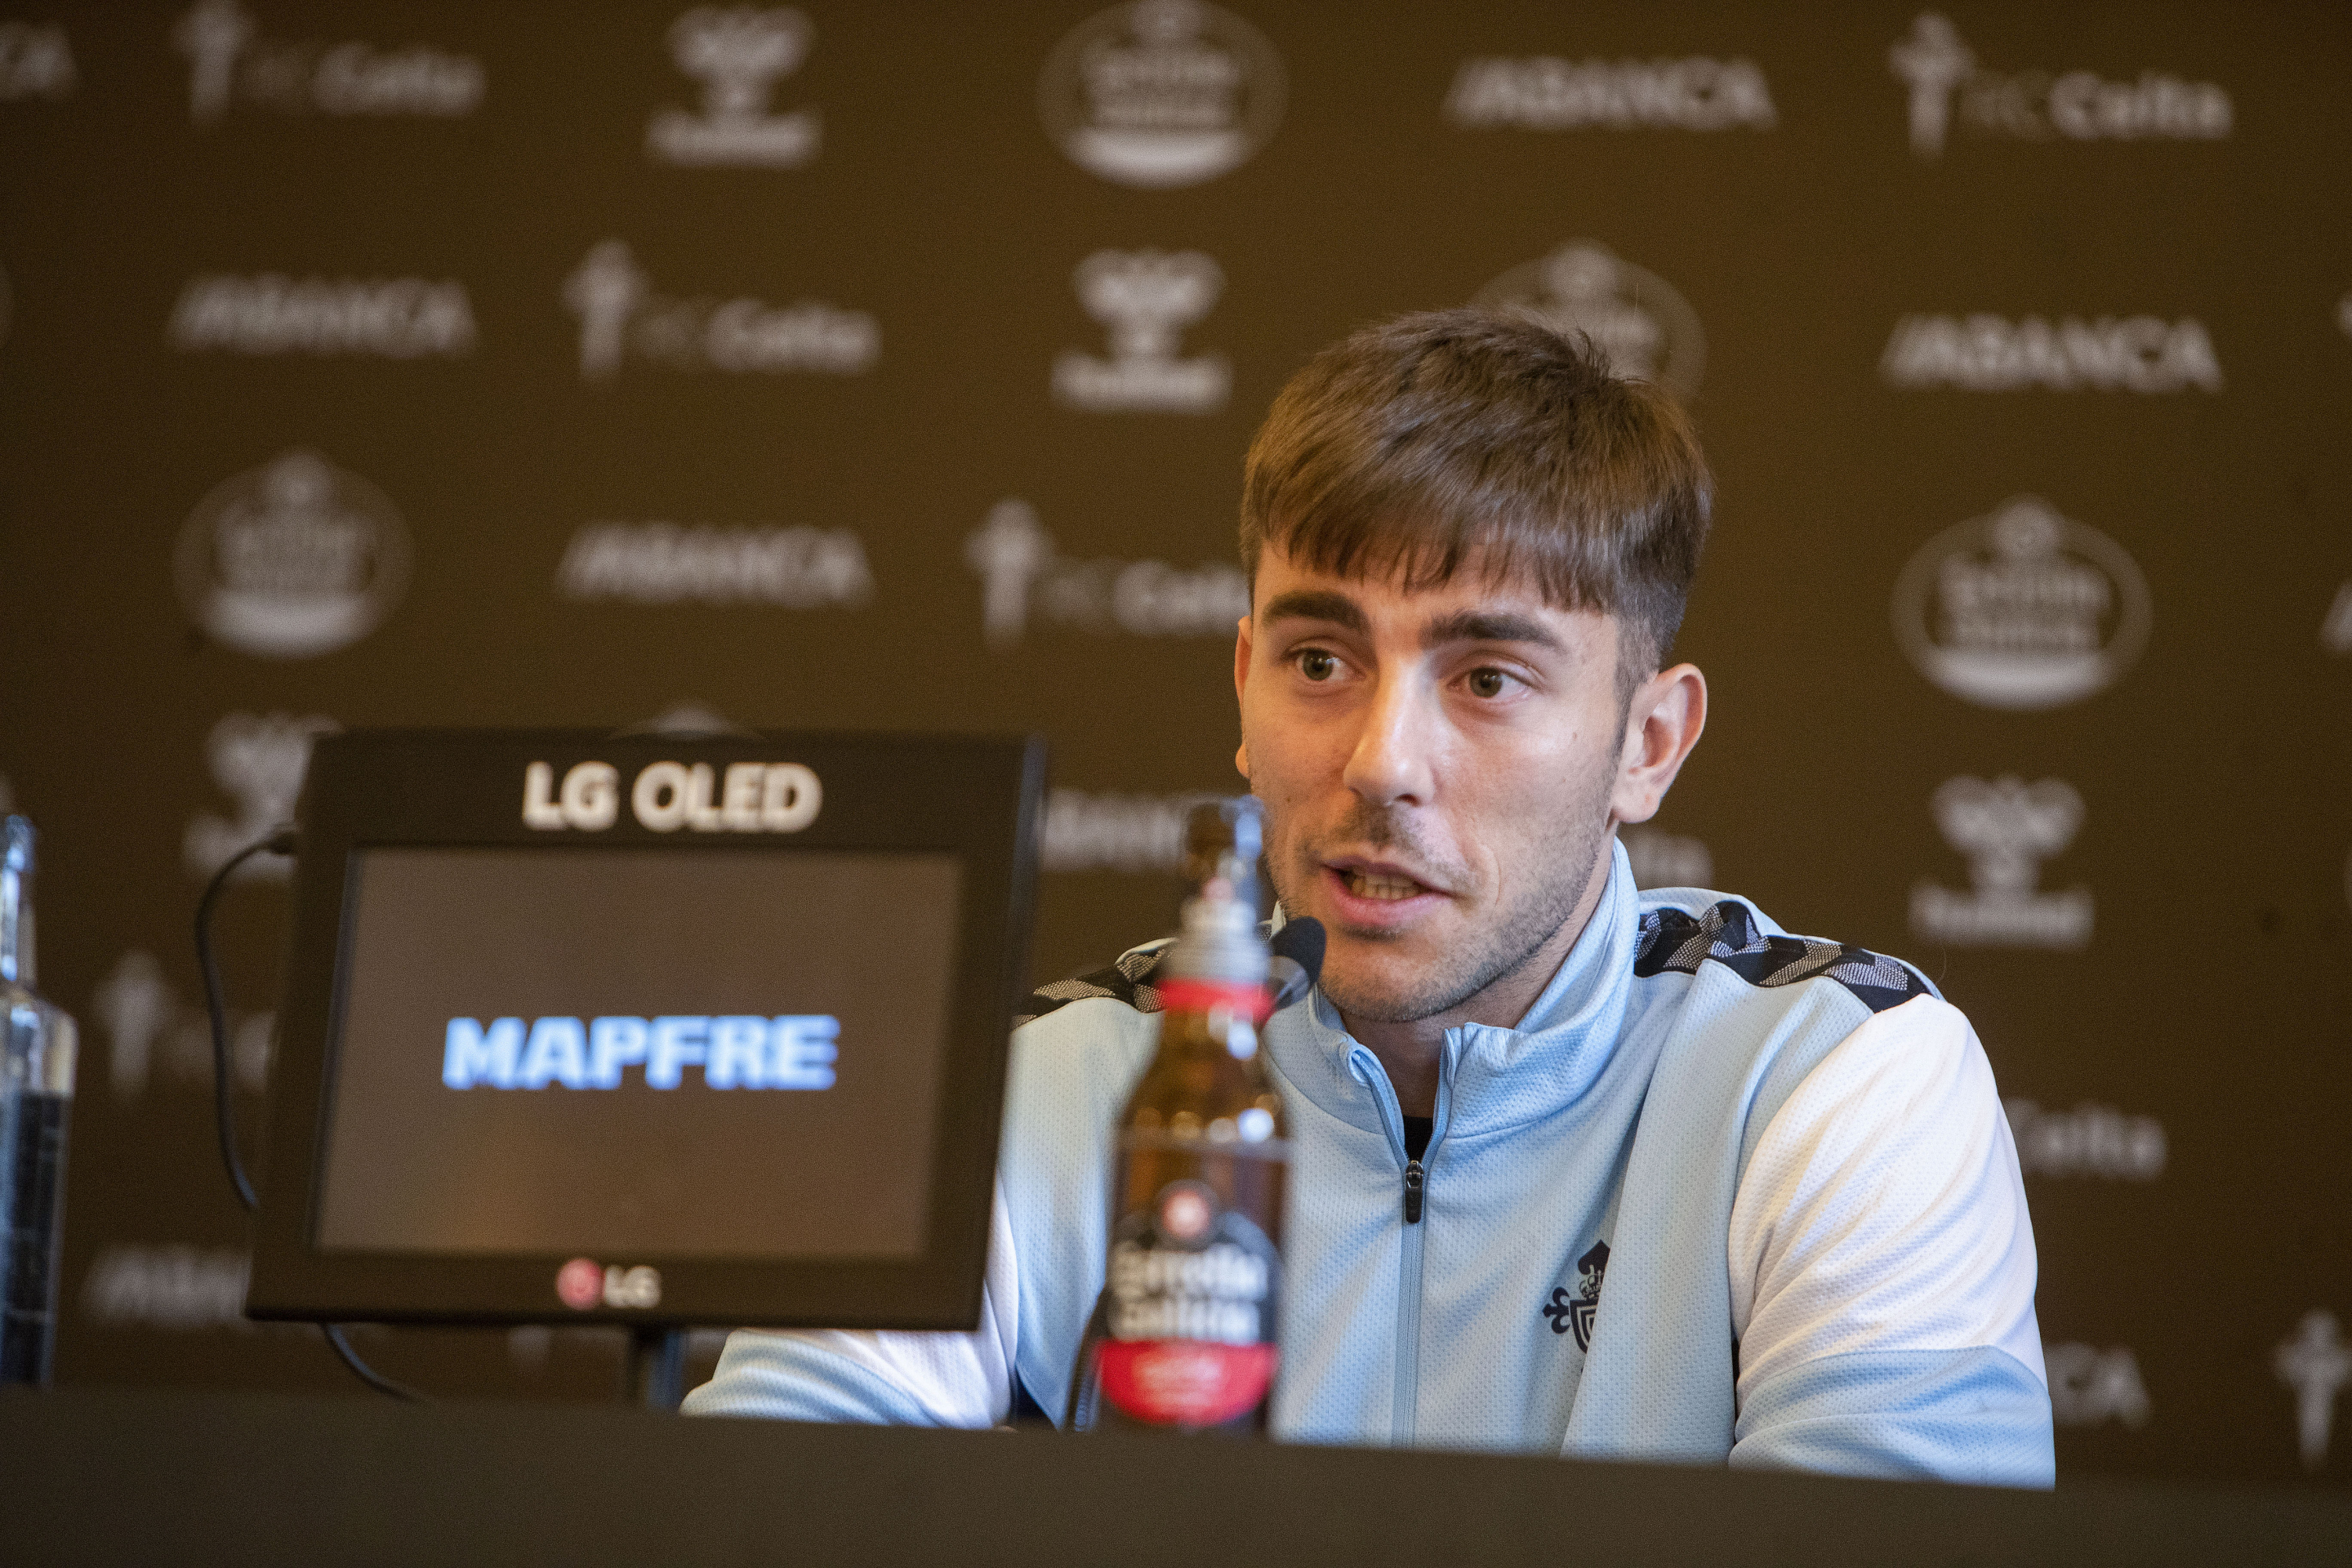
column 1949, row 86
column 2316, row 1363
column 739, row 54
column 229, row 60
column 1162, row 92
column 1547, row 93
column 1993, row 354
column 2006, row 829
column 1640, row 323
column 2021, row 608
column 621, row 318
column 1021, row 574
column 1145, row 298
column 295, row 558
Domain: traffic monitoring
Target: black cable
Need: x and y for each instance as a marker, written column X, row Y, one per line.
column 280, row 841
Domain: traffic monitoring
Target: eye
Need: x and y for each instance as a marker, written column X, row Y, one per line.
column 1488, row 682
column 1317, row 665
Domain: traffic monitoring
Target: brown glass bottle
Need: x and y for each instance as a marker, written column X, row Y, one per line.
column 1185, row 1339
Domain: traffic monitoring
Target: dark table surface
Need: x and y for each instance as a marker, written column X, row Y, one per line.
column 90, row 1476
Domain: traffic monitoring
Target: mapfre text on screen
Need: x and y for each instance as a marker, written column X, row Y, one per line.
column 793, row 1051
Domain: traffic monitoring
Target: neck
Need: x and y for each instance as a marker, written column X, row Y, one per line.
column 1410, row 1049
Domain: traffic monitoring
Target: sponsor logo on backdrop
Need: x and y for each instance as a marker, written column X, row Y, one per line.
column 622, row 318
column 1639, row 322
column 1162, row 92
column 295, row 558
column 1950, row 88
column 738, row 55
column 36, row 61
column 2090, row 1387
column 1992, row 354
column 1086, row 832
column 259, row 761
column 1024, row 579
column 665, row 564
column 2315, row 1362
column 1145, row 298
column 1666, row 859
column 153, row 1035
column 229, row 61
column 2088, row 1140
column 171, row 1286
column 2006, row 829
column 2335, row 630
column 1546, row 93
column 397, row 318
column 2021, row 608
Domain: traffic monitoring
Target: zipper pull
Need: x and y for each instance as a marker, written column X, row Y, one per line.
column 1414, row 1179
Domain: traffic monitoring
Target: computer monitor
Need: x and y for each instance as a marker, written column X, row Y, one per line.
column 646, row 1030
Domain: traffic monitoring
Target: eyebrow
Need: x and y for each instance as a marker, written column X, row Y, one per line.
column 1489, row 625
column 1316, row 606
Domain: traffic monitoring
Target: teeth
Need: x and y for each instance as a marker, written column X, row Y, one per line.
column 1371, row 885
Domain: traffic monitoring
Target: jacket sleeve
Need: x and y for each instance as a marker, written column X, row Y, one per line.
column 1882, row 1268
column 901, row 1379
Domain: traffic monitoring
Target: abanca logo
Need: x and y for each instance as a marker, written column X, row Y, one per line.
column 398, row 318
column 1162, row 92
column 1637, row 322
column 295, row 558
column 1992, row 354
column 2021, row 608
column 1546, row 93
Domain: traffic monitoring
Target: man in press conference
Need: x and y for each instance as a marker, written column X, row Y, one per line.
column 1773, row 1170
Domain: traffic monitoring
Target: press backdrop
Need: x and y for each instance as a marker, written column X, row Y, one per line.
column 892, row 366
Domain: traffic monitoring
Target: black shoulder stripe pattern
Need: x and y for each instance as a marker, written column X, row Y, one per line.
column 1128, row 981
column 1727, row 933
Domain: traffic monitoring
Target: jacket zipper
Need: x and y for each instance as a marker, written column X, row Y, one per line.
column 1405, row 1403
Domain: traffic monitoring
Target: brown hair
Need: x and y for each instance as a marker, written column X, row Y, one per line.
column 1419, row 444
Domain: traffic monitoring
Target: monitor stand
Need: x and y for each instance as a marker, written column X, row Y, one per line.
column 655, row 1370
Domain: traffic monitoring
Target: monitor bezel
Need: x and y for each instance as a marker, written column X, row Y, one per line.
column 978, row 798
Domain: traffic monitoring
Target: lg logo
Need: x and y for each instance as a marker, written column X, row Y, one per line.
column 748, row 797
column 584, row 1287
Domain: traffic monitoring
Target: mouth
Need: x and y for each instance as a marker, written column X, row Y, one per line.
column 1377, row 894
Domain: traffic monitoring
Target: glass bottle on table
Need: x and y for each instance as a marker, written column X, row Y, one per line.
column 37, row 1082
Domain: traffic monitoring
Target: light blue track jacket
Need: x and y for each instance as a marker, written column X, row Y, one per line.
column 1723, row 1195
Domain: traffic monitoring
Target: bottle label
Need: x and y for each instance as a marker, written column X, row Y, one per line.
column 1193, row 1293
column 1250, row 1003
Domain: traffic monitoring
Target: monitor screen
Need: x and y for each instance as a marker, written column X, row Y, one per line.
column 690, row 1053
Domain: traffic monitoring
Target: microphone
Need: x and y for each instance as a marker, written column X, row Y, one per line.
column 1297, row 960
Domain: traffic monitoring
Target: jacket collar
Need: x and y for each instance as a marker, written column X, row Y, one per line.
column 1493, row 1079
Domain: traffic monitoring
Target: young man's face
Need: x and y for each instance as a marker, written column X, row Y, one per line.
column 1440, row 770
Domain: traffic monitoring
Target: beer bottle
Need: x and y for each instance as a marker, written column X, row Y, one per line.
column 37, row 1081
column 1184, row 1337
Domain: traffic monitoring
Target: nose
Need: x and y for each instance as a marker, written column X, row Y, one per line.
column 1392, row 761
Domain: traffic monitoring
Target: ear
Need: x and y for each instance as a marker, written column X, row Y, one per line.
column 1241, row 682
column 1661, row 724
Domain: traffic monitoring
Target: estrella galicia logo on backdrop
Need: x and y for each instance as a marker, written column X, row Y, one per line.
column 396, row 318
column 1023, row 576
column 1160, row 93
column 1948, row 87
column 230, row 61
column 1575, row 1313
column 2315, row 1362
column 1145, row 298
column 791, row 1051
column 739, row 54
column 295, row 558
column 1548, row 93
column 36, row 61
column 2021, row 608
column 2006, row 829
column 1632, row 315
column 623, row 319
column 259, row 761
column 1987, row 352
